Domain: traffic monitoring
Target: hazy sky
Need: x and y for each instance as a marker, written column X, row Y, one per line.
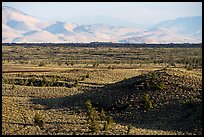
column 135, row 12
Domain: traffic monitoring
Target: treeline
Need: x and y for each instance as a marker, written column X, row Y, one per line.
column 109, row 44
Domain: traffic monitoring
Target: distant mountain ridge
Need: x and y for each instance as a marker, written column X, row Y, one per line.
column 19, row 27
column 183, row 25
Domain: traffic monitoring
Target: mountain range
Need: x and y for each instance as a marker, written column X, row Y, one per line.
column 19, row 27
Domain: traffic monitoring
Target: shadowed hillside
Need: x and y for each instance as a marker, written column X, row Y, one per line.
column 162, row 99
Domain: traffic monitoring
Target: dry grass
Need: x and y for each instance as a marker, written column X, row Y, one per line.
column 62, row 107
column 18, row 104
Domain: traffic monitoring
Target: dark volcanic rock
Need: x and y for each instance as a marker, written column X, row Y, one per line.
column 176, row 99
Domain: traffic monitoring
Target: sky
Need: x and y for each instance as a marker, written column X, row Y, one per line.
column 134, row 12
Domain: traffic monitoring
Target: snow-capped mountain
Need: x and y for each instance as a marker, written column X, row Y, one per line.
column 19, row 27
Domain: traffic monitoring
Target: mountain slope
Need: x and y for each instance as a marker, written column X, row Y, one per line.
column 60, row 28
column 20, row 21
column 158, row 35
column 183, row 25
column 102, row 19
column 20, row 27
column 37, row 36
column 9, row 34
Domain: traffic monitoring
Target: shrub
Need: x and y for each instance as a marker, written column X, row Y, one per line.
column 67, row 63
column 26, row 82
column 189, row 67
column 38, row 121
column 108, row 123
column 148, row 103
column 44, row 81
column 21, row 81
column 33, row 79
column 110, row 67
column 13, row 87
column 59, row 63
column 160, row 85
column 113, row 67
column 129, row 128
column 92, row 120
column 55, row 79
column 106, row 126
column 154, row 82
column 110, row 120
column 103, row 115
column 147, row 85
column 76, row 84
column 63, row 84
column 87, row 75
column 83, row 78
column 41, row 64
column 90, row 109
column 72, row 63
column 95, row 127
column 154, row 75
column 95, row 64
